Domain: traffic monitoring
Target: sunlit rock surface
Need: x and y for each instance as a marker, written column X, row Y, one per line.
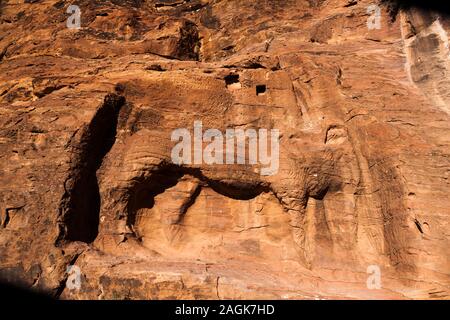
column 86, row 177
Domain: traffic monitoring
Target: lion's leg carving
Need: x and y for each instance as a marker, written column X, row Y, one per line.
column 296, row 208
column 294, row 199
column 137, row 163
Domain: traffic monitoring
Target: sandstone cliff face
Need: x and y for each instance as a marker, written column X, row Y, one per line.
column 86, row 176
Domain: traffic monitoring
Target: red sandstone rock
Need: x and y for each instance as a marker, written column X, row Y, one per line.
column 86, row 175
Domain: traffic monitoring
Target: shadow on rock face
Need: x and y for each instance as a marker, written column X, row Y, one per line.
column 9, row 292
column 429, row 5
column 81, row 203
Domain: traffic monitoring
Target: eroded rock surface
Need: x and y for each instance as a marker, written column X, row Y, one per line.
column 87, row 177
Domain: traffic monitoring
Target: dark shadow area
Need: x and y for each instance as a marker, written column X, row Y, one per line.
column 231, row 79
column 260, row 89
column 143, row 194
column 438, row 6
column 10, row 292
column 235, row 191
column 80, row 206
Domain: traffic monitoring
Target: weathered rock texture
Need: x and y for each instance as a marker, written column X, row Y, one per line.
column 86, row 177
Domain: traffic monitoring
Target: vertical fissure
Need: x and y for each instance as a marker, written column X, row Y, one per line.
column 80, row 206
